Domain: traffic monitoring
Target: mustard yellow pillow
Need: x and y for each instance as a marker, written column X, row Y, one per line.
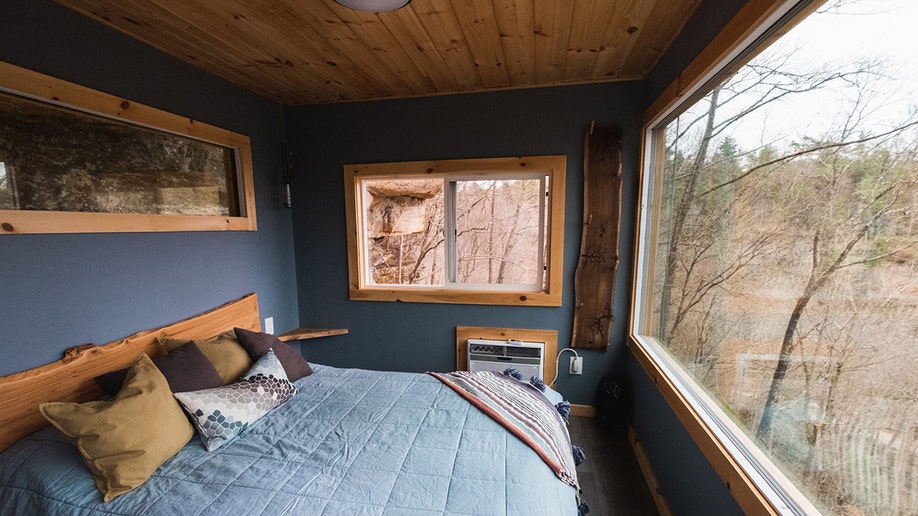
column 229, row 358
column 124, row 440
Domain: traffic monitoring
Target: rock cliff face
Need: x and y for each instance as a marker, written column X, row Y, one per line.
column 65, row 160
column 400, row 207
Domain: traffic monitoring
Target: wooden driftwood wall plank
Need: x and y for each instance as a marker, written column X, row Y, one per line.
column 594, row 280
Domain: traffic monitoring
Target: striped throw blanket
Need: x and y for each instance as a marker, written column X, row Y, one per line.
column 523, row 411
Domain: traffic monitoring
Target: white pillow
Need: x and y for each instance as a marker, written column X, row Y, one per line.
column 222, row 413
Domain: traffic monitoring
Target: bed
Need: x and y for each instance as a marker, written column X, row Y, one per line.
column 348, row 441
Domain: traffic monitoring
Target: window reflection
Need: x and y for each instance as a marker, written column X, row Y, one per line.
column 58, row 159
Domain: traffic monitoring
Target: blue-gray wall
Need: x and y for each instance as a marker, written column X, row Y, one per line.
column 421, row 336
column 58, row 291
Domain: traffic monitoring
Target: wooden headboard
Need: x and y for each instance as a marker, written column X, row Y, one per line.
column 71, row 378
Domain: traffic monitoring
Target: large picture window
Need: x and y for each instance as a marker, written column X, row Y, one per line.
column 778, row 266
column 470, row 231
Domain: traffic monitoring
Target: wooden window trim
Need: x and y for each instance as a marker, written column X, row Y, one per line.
column 555, row 168
column 747, row 494
column 41, row 87
column 728, row 46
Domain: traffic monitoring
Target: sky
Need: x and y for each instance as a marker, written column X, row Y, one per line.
column 840, row 33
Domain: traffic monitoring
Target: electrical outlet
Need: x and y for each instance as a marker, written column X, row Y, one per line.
column 576, row 365
column 269, row 325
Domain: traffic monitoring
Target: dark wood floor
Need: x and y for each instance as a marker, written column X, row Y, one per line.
column 610, row 478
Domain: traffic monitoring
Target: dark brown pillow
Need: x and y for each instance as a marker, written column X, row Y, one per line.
column 257, row 344
column 186, row 368
column 228, row 357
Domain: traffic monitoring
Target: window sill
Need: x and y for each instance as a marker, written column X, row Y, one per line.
column 751, row 495
column 453, row 296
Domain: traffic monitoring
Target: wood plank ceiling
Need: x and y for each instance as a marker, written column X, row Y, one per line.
column 317, row 51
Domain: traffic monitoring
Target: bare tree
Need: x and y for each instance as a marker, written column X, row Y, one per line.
column 852, row 209
column 754, row 88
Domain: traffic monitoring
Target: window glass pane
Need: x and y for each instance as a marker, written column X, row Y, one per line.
column 6, row 189
column 60, row 159
column 785, row 274
column 498, row 232
column 404, row 225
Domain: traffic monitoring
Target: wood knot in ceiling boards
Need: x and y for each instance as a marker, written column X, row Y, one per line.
column 125, row 104
column 523, row 298
column 522, row 164
column 6, row 226
column 632, row 30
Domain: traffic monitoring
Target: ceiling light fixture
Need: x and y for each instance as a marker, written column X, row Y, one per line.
column 374, row 5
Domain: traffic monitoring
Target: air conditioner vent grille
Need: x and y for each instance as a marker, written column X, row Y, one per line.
column 498, row 355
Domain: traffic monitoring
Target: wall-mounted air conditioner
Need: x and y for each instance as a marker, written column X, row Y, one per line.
column 497, row 355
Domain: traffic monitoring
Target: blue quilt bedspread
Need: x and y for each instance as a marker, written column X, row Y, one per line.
column 352, row 442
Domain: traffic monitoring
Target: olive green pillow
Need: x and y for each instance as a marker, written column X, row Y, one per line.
column 124, row 440
column 229, row 358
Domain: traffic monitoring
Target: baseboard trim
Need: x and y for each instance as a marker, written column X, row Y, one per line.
column 583, row 410
column 655, row 490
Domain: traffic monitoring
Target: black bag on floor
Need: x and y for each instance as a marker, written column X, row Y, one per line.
column 611, row 405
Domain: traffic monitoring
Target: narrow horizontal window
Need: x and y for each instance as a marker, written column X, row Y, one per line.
column 97, row 163
column 60, row 159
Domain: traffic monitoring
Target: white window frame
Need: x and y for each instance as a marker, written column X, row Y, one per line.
column 758, row 486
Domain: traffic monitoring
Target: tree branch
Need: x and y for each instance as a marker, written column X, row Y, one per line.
column 809, row 150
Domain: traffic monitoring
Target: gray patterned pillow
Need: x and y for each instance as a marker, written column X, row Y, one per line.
column 222, row 413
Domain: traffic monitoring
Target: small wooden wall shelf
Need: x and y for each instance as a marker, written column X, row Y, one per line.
column 310, row 333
